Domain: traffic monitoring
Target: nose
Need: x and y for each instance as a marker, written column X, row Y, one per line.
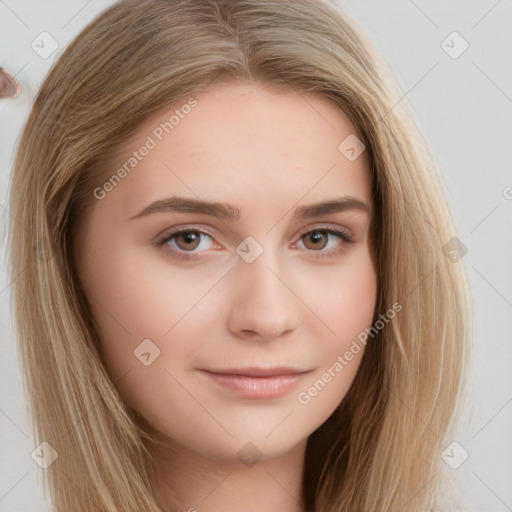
column 263, row 306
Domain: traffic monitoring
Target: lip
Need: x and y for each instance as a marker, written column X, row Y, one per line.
column 256, row 382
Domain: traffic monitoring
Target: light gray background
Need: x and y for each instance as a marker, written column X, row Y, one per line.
column 464, row 108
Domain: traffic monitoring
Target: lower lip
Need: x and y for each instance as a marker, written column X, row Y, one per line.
column 256, row 387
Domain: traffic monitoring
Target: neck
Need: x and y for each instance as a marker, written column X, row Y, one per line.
column 201, row 484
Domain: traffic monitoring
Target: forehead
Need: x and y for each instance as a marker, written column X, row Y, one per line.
column 243, row 142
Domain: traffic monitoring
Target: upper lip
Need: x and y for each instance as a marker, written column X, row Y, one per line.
column 255, row 371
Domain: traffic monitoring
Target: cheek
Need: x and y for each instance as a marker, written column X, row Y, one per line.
column 345, row 305
column 345, row 300
column 133, row 302
column 134, row 298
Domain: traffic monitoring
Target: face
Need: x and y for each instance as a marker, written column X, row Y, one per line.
column 229, row 269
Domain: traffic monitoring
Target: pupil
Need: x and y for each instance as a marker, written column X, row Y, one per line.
column 189, row 237
column 315, row 240
column 316, row 236
column 188, row 240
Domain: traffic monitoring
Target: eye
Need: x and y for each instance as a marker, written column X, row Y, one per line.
column 188, row 240
column 319, row 239
column 185, row 241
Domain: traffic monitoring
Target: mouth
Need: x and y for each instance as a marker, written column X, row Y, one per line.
column 255, row 382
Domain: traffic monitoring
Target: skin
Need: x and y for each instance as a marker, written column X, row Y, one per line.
column 266, row 152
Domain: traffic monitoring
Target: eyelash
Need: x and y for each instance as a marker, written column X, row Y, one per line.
column 188, row 255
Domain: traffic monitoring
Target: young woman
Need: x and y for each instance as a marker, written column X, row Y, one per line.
column 233, row 284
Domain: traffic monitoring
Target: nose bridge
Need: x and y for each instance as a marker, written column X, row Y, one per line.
column 260, row 275
column 262, row 303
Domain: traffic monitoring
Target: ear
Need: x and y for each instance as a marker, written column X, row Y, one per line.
column 9, row 88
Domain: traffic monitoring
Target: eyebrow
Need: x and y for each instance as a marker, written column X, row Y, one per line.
column 232, row 213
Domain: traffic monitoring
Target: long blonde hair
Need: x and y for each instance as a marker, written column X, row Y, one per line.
column 380, row 450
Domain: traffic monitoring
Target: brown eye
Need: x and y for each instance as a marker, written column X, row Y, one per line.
column 187, row 240
column 316, row 240
column 185, row 243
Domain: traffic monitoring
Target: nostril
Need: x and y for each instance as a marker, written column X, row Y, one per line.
column 262, row 332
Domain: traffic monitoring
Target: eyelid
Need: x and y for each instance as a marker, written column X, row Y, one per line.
column 334, row 228
column 166, row 234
